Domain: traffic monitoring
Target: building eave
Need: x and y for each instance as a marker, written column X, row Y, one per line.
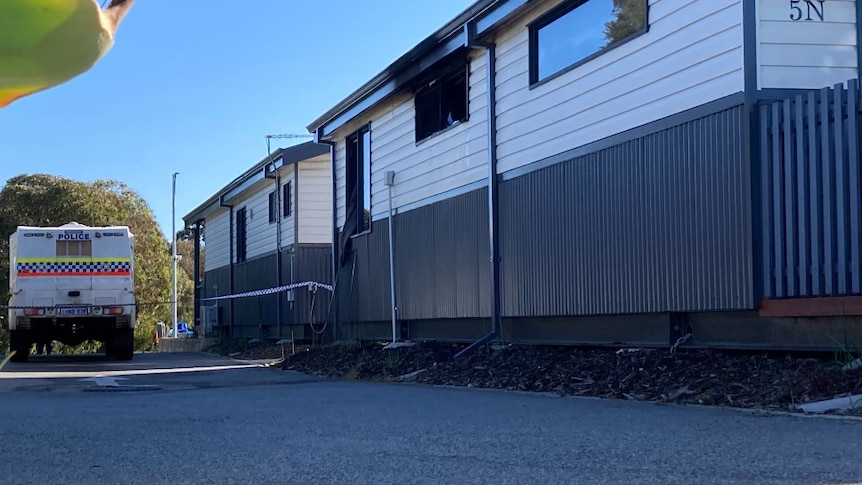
column 483, row 16
column 280, row 157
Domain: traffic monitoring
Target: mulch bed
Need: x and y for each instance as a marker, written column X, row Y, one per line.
column 688, row 376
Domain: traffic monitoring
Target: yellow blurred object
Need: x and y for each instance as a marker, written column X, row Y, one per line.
column 44, row 43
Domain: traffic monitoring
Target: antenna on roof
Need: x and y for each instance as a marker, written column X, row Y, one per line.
column 284, row 135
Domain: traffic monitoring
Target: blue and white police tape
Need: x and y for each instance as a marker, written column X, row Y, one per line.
column 312, row 285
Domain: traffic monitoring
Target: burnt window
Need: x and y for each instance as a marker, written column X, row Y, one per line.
column 358, row 189
column 580, row 30
column 240, row 235
column 273, row 206
column 442, row 101
column 287, row 198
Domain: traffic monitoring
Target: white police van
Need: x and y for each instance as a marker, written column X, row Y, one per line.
column 72, row 283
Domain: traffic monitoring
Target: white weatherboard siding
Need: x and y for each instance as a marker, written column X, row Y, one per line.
column 314, row 197
column 691, row 54
column 444, row 162
column 217, row 240
column 804, row 53
column 287, row 223
column 260, row 234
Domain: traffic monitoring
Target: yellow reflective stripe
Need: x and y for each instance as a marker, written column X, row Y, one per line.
column 73, row 260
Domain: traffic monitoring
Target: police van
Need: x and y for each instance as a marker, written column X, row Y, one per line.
column 71, row 284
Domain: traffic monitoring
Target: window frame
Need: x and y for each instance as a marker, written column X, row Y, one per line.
column 287, row 198
column 85, row 249
column 552, row 16
column 273, row 206
column 457, row 68
column 361, row 174
column 241, row 235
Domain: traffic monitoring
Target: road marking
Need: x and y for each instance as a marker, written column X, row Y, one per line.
column 130, row 372
column 103, row 381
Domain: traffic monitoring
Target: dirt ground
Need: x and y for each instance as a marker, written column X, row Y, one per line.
column 753, row 380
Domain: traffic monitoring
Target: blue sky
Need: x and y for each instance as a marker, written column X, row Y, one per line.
column 194, row 90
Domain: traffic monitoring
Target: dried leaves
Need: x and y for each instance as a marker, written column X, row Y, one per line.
column 690, row 376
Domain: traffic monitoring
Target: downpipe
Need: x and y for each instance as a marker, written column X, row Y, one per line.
column 231, row 265
column 334, row 252
column 493, row 205
column 390, row 181
column 279, row 250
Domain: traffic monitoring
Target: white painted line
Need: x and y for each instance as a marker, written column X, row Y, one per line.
column 139, row 372
column 103, row 381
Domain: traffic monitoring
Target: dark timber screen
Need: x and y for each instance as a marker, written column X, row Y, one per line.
column 811, row 193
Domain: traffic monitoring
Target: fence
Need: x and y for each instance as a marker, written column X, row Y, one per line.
column 810, row 193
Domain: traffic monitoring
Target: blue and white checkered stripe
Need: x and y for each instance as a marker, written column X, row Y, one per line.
column 111, row 267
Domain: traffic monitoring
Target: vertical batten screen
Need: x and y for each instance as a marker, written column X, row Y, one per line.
column 811, row 195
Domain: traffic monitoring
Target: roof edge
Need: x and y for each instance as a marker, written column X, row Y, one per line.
column 289, row 155
column 420, row 49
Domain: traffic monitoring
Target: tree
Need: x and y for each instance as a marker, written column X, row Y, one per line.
column 186, row 265
column 629, row 17
column 186, row 249
column 47, row 200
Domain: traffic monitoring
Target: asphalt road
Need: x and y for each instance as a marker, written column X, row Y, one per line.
column 193, row 418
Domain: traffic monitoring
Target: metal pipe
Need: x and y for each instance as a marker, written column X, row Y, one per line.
column 199, row 323
column 278, row 257
column 475, row 345
column 390, row 181
column 493, row 205
column 231, row 264
column 174, row 254
column 334, row 252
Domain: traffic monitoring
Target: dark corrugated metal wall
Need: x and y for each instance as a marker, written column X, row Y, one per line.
column 363, row 291
column 657, row 224
column 288, row 275
column 442, row 259
column 441, row 264
column 217, row 283
column 312, row 264
column 256, row 274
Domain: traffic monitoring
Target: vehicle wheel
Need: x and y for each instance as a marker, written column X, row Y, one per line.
column 21, row 355
column 20, row 344
column 124, row 345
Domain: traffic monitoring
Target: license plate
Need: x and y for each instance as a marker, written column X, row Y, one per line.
column 74, row 311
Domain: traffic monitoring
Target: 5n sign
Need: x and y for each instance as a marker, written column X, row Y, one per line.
column 807, row 10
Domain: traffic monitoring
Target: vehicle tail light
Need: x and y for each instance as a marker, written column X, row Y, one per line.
column 34, row 312
column 113, row 310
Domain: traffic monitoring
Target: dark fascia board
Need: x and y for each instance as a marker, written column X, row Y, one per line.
column 295, row 154
column 279, row 158
column 482, row 15
column 858, row 41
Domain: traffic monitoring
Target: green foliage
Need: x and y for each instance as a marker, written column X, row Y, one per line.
column 847, row 352
column 48, row 200
column 186, row 249
column 629, row 17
